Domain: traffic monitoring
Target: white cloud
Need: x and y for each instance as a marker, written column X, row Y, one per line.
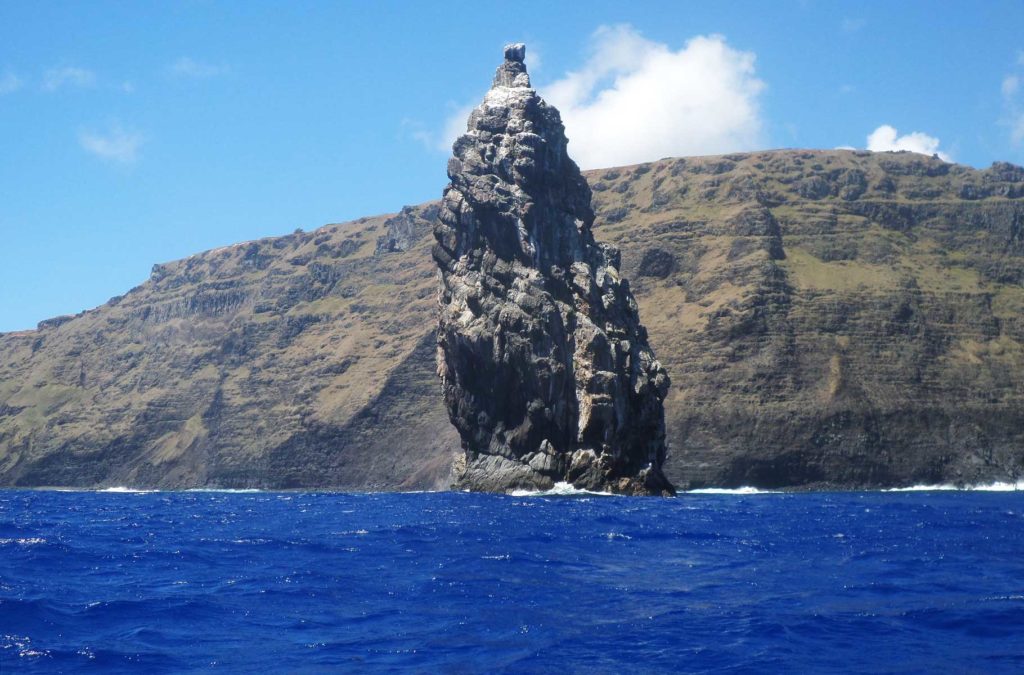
column 454, row 127
column 56, row 78
column 116, row 145
column 414, row 129
column 1017, row 129
column 439, row 141
column 9, row 83
column 1010, row 85
column 885, row 138
column 636, row 100
column 533, row 60
column 1013, row 108
column 190, row 68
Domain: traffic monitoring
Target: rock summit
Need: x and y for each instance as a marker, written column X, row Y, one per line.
column 546, row 369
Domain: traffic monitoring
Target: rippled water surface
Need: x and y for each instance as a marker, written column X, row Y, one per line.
column 172, row 582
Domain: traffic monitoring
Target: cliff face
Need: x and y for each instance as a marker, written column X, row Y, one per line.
column 296, row 361
column 829, row 318
column 546, row 370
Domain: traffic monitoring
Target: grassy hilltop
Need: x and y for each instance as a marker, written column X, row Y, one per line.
column 829, row 318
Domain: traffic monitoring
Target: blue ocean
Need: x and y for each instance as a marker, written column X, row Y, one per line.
column 918, row 582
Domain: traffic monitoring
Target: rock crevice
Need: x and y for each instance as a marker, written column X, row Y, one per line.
column 546, row 369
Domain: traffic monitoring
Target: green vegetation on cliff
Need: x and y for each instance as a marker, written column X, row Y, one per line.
column 828, row 318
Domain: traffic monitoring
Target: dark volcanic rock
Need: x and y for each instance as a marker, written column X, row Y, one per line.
column 546, row 370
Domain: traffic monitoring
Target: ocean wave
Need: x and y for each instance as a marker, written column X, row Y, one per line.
column 988, row 487
column 561, row 490
column 126, row 490
column 616, row 535
column 265, row 579
column 239, row 491
column 746, row 490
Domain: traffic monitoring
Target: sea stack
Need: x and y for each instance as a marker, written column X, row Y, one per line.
column 545, row 366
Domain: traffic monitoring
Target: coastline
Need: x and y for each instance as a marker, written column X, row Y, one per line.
column 560, row 490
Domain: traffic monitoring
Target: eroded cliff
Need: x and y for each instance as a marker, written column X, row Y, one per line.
column 829, row 319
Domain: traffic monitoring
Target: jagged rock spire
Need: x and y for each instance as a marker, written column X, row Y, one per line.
column 545, row 367
column 512, row 73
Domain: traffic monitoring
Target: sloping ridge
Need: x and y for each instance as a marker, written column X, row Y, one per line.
column 828, row 318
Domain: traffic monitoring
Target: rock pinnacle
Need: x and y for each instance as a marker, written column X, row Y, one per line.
column 545, row 367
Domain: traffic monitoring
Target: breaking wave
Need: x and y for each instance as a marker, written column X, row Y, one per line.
column 561, row 489
column 232, row 491
column 989, row 487
column 127, row 490
column 746, row 490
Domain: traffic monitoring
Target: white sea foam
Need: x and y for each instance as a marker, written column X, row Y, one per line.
column 989, row 487
column 922, row 488
column 560, row 490
column 123, row 489
column 746, row 490
column 227, row 490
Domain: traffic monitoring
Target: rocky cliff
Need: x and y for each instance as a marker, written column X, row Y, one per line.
column 829, row 319
column 545, row 368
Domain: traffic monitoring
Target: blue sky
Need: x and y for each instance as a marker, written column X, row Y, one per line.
column 136, row 133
